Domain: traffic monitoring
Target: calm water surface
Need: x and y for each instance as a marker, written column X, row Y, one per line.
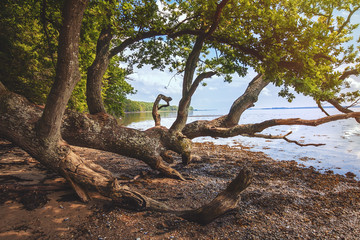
column 342, row 138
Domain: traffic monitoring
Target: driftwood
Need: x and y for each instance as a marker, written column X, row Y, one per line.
column 224, row 202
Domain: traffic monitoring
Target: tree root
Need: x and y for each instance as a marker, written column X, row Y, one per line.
column 224, row 202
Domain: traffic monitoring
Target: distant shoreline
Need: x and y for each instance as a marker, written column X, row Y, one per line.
column 264, row 108
column 275, row 108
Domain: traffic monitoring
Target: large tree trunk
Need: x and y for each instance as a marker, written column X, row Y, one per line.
column 67, row 71
column 101, row 131
column 189, row 84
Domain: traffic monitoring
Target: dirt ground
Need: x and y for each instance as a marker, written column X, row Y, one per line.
column 285, row 200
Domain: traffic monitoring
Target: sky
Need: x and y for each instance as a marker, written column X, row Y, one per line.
column 217, row 94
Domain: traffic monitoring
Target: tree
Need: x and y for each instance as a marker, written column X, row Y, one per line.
column 39, row 132
column 286, row 43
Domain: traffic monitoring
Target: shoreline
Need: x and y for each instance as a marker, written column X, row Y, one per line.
column 284, row 200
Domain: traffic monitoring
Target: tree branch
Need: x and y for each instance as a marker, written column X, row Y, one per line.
column 269, row 136
column 348, row 73
column 321, row 108
column 347, row 21
column 134, row 39
column 206, row 128
column 341, row 108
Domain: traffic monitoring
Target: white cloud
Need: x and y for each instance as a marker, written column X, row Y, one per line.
column 266, row 92
column 354, row 83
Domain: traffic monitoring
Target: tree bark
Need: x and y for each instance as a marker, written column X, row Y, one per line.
column 67, row 71
column 246, row 101
column 101, row 131
column 96, row 72
column 224, row 202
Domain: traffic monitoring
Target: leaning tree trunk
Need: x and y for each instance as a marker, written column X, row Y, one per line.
column 96, row 72
column 244, row 102
column 189, row 84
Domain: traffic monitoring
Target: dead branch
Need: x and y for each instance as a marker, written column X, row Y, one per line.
column 156, row 107
column 224, row 202
column 269, row 136
column 304, row 145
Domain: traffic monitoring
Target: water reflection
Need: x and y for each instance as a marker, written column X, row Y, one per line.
column 143, row 116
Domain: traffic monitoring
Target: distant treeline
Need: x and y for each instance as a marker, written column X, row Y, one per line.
column 135, row 106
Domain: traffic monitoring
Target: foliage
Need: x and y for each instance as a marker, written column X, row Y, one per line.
column 26, row 53
column 299, row 45
column 116, row 89
column 29, row 32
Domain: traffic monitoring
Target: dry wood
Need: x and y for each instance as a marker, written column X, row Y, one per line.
column 156, row 107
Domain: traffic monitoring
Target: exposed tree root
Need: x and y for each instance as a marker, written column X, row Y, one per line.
column 224, row 202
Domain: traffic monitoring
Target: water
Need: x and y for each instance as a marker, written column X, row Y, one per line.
column 341, row 153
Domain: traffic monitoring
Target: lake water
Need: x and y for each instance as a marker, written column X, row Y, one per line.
column 341, row 153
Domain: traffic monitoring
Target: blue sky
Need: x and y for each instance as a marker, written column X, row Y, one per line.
column 217, row 94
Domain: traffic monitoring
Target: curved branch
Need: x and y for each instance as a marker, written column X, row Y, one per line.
column 321, row 108
column 156, row 107
column 184, row 103
column 129, row 41
column 347, row 21
column 342, row 109
column 348, row 73
column 246, row 101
